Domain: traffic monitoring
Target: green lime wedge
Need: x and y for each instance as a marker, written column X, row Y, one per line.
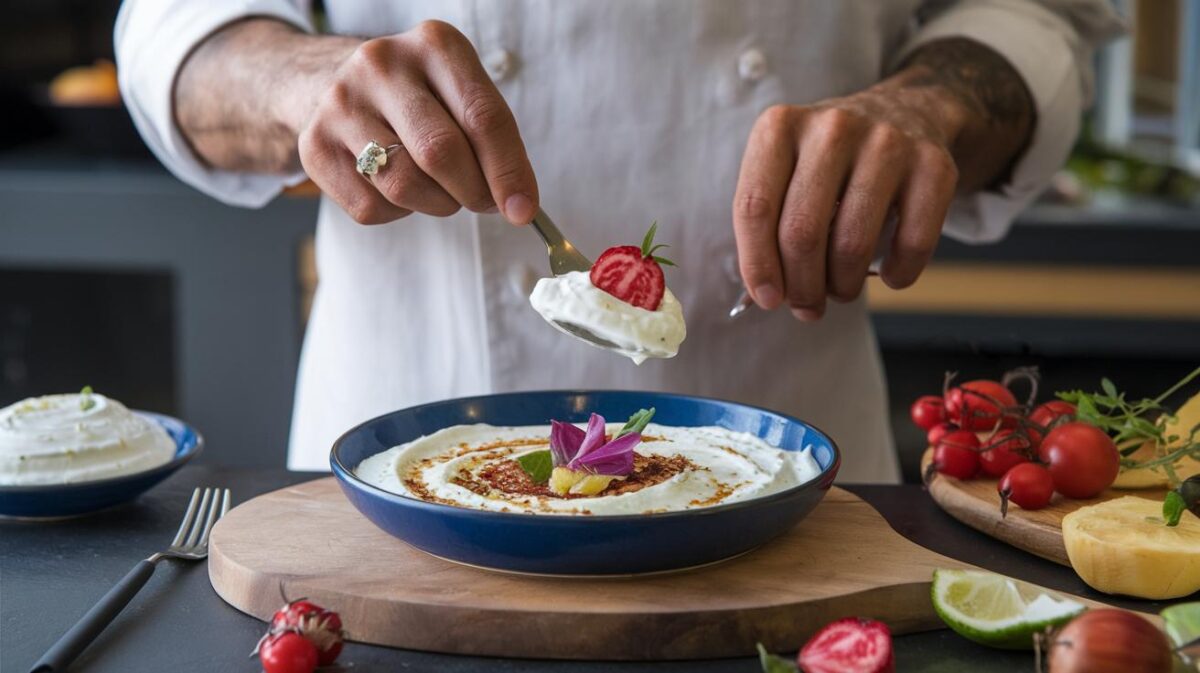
column 995, row 610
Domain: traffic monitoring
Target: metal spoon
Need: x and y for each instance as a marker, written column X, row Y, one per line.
column 744, row 302
column 565, row 258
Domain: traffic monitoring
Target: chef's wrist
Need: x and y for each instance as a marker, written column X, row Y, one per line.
column 982, row 103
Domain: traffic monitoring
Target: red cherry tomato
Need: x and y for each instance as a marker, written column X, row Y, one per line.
column 978, row 405
column 288, row 652
column 320, row 626
column 957, row 455
column 1083, row 459
column 1028, row 484
column 1009, row 449
column 1046, row 414
column 938, row 431
column 928, row 411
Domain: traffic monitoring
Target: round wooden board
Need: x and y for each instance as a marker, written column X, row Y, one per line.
column 977, row 504
column 307, row 540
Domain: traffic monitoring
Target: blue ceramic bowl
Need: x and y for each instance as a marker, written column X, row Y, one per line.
column 570, row 545
column 68, row 500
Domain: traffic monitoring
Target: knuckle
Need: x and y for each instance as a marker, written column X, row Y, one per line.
column 484, row 113
column 912, row 247
column 481, row 204
column 777, row 116
column 752, row 205
column 937, row 160
column 341, row 96
column 436, row 34
column 444, row 210
column 434, row 149
column 889, row 139
column 393, row 184
column 836, row 122
column 801, row 234
column 374, row 55
column 362, row 211
column 846, row 292
column 851, row 251
column 757, row 270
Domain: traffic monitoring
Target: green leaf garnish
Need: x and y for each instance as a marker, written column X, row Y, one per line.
column 538, row 465
column 649, row 247
column 86, row 402
column 772, row 663
column 637, row 422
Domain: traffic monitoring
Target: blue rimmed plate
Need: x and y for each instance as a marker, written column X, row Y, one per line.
column 55, row 501
column 581, row 545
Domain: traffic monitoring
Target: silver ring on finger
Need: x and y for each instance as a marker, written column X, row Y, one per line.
column 373, row 157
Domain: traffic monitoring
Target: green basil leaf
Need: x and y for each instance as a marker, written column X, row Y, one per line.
column 538, row 465
column 1109, row 388
column 1173, row 508
column 774, row 664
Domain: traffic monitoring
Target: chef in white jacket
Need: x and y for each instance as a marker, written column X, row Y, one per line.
column 770, row 139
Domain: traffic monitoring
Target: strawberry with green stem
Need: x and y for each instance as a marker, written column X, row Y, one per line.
column 632, row 274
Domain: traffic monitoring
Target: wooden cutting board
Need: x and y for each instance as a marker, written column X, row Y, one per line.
column 308, row 541
column 977, row 504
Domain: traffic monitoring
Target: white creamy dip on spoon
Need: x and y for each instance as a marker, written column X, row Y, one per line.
column 635, row 332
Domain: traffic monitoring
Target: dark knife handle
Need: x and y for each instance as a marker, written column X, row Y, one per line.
column 61, row 654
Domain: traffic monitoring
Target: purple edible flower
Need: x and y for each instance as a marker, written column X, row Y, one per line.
column 565, row 440
column 586, row 450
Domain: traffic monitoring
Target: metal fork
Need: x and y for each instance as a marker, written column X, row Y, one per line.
column 190, row 543
column 565, row 258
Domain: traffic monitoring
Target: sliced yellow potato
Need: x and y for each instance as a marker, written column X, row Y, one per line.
column 1123, row 547
column 1186, row 418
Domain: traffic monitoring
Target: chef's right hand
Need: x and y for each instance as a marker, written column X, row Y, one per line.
column 426, row 90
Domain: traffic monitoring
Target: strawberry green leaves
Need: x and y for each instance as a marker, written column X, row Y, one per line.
column 649, row 248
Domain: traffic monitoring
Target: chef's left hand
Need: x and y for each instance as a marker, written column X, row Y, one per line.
column 818, row 181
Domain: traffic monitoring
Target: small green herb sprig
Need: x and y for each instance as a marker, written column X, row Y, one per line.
column 86, row 401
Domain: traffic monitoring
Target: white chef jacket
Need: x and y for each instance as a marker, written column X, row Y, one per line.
column 632, row 112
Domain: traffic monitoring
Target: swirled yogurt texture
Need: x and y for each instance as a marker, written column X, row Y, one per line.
column 639, row 334
column 63, row 439
column 676, row 468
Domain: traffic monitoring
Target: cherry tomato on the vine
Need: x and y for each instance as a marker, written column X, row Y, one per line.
column 978, row 405
column 1028, row 485
column 321, row 627
column 1045, row 415
column 1009, row 448
column 957, row 455
column 938, row 431
column 288, row 652
column 1083, row 459
column 928, row 411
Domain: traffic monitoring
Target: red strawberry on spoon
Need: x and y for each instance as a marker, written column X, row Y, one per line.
column 633, row 274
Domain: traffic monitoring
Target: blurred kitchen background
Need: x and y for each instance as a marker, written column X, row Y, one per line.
column 115, row 275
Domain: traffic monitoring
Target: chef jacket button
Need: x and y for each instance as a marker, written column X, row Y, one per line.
column 522, row 278
column 752, row 65
column 499, row 64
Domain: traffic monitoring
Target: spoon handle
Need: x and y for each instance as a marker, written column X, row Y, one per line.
column 564, row 257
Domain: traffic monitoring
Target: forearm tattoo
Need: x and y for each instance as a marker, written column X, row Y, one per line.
column 985, row 84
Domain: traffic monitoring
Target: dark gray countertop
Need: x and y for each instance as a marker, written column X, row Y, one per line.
column 50, row 574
